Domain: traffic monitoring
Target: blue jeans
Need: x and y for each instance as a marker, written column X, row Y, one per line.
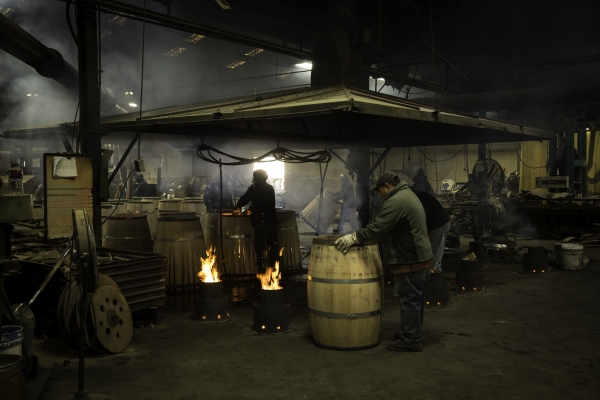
column 410, row 289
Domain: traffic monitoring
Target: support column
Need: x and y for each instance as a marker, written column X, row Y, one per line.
column 363, row 167
column 89, row 102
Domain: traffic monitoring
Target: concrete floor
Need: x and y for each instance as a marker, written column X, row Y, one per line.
column 526, row 337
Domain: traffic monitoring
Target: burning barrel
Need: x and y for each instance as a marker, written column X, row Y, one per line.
column 180, row 238
column 238, row 256
column 329, row 209
column 145, row 207
column 345, row 294
column 127, row 232
column 287, row 228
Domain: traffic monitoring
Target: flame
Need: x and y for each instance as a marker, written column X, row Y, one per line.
column 208, row 273
column 270, row 279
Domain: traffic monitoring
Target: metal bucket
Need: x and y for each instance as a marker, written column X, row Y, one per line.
column 11, row 379
column 572, row 256
column 12, row 340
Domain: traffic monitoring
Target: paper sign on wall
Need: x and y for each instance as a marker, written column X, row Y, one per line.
column 64, row 167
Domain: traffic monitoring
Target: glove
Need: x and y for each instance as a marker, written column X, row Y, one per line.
column 343, row 244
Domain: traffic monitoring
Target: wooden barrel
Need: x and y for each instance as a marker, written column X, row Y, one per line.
column 197, row 206
column 345, row 294
column 120, row 205
column 288, row 238
column 238, row 257
column 329, row 209
column 127, row 232
column 144, row 207
column 169, row 205
column 153, row 199
column 180, row 239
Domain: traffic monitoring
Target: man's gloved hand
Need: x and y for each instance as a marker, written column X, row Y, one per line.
column 343, row 244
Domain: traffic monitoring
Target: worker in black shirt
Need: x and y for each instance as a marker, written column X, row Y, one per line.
column 264, row 219
column 438, row 225
column 143, row 188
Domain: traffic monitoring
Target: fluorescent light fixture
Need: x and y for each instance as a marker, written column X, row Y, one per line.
column 255, row 52
column 195, row 38
column 31, row 94
column 235, row 64
column 379, row 79
column 132, row 105
column 175, row 51
column 105, row 34
column 305, row 64
column 284, row 74
column 117, row 20
column 128, row 93
column 7, row 11
column 224, row 4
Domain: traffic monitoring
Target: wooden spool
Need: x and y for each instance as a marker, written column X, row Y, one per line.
column 144, row 207
column 190, row 204
column 288, row 238
column 153, row 199
column 345, row 294
column 169, row 205
column 180, row 239
column 328, row 212
column 127, row 232
column 238, row 257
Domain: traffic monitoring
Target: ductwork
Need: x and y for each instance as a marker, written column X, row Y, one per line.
column 47, row 62
column 551, row 96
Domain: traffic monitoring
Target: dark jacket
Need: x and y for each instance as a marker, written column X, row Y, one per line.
column 346, row 194
column 435, row 214
column 401, row 224
column 143, row 190
column 262, row 196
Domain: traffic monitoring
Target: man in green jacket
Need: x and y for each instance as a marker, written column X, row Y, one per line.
column 402, row 225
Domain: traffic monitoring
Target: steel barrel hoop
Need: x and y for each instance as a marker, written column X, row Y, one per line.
column 124, row 237
column 345, row 281
column 179, row 239
column 344, row 315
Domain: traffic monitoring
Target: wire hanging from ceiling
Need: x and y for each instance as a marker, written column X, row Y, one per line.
column 207, row 153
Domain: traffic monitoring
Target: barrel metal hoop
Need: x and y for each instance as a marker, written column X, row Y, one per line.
column 126, row 237
column 344, row 315
column 344, row 281
column 180, row 239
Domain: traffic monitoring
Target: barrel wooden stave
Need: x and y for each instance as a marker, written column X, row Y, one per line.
column 197, row 206
column 127, row 232
column 329, row 209
column 144, row 207
column 238, row 257
column 289, row 239
column 155, row 200
column 180, row 239
column 169, row 205
column 363, row 300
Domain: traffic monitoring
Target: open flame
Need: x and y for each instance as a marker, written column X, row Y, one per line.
column 270, row 279
column 208, row 273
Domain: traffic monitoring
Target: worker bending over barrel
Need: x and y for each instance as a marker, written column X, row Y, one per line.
column 402, row 225
column 263, row 217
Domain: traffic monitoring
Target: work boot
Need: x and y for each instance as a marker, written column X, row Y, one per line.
column 399, row 346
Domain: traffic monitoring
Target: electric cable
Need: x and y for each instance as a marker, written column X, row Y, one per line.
column 119, row 200
column 71, row 25
column 523, row 162
column 205, row 152
column 437, row 161
column 75, row 120
column 142, row 82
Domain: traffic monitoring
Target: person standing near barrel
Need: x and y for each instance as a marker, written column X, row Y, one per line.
column 402, row 225
column 264, row 219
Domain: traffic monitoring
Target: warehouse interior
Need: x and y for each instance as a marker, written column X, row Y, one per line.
column 130, row 129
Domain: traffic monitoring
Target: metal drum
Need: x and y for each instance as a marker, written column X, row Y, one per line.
column 180, row 238
column 238, row 256
column 145, row 207
column 169, row 205
column 197, row 206
column 345, row 294
column 288, row 238
column 329, row 209
column 127, row 232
